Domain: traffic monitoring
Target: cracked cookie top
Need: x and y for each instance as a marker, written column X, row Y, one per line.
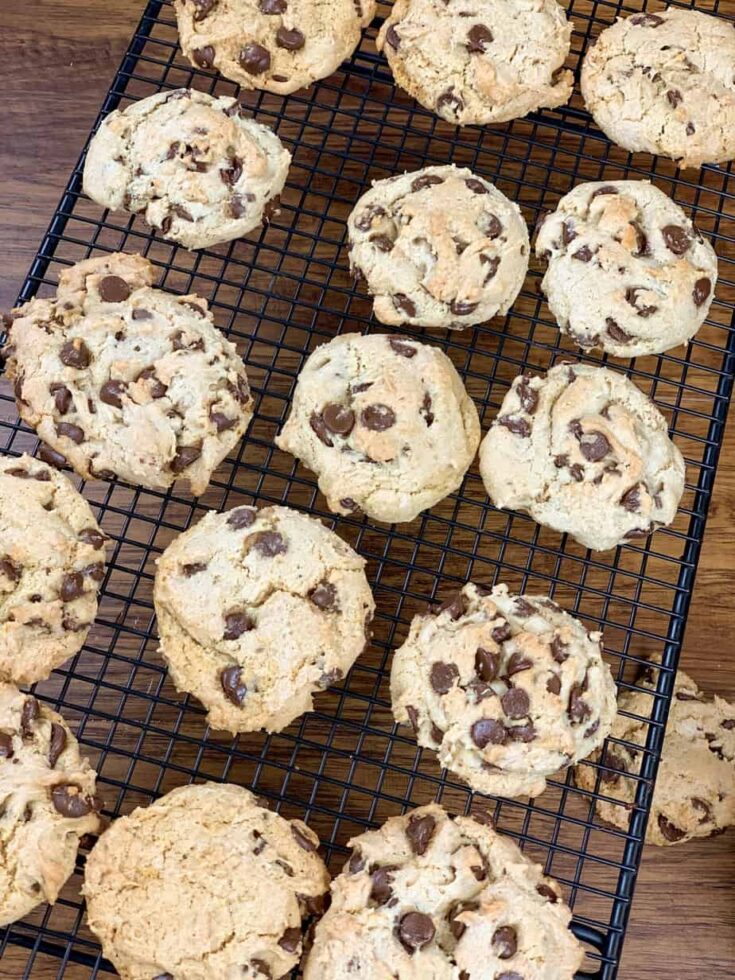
column 584, row 452
column 207, row 883
column 431, row 896
column 384, row 422
column 257, row 610
column 195, row 166
column 663, row 83
column 120, row 379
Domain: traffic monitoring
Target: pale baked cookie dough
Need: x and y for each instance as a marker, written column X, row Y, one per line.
column 52, row 556
column 120, row 379
column 257, row 610
column 439, row 247
column 479, row 61
column 585, row 452
column 430, row 897
column 506, row 689
column 47, row 803
column 628, row 272
column 277, row 45
column 663, row 83
column 204, row 883
column 694, row 795
column 194, row 166
column 385, row 423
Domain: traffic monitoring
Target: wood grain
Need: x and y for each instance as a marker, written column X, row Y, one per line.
column 56, row 62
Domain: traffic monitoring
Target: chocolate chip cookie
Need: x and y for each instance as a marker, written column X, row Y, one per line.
column 628, row 271
column 384, row 422
column 204, row 883
column 195, row 166
column 694, row 795
column 257, row 610
column 430, row 896
column 120, row 379
column 479, row 61
column 663, row 83
column 506, row 689
column 277, row 45
column 439, row 247
column 52, row 556
column 47, row 803
column 584, row 452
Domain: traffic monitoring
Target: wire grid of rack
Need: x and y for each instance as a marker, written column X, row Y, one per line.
column 278, row 294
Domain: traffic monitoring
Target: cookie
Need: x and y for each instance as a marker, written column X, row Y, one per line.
column 204, row 883
column 430, row 896
column 506, row 689
column 439, row 247
column 694, row 795
column 52, row 556
column 479, row 61
column 628, row 272
column 120, row 379
column 47, row 803
column 385, row 423
column 277, row 45
column 195, row 166
column 586, row 453
column 663, row 83
column 257, row 610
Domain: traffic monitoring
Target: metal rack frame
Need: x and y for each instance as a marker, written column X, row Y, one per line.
column 277, row 294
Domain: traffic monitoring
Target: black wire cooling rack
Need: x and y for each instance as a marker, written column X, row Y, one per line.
column 280, row 292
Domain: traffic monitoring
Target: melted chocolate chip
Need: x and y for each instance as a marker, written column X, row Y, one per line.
column 193, row 568
column 607, row 189
column 451, row 101
column 553, row 684
column 232, row 684
column 676, row 239
column 488, row 731
column 583, row 254
column 254, row 58
column 111, row 393
column 62, row 398
column 476, row 186
column 72, row 586
column 528, row 397
column 57, row 743
column 70, row 431
column 90, row 535
column 305, row 842
column 518, row 662
column 381, row 880
column 378, row 417
column 75, row 354
column 324, row 596
column 442, row 676
column 675, row 97
column 392, row 38
column 29, row 715
column 290, row 39
column 502, row 633
column 338, row 419
column 320, row 430
column 185, row 456
column 419, row 832
column 478, row 39
column 594, row 446
column 515, row 702
column 646, row 20
column 272, row 6
column 519, row 427
column 631, row 499
column 415, row 930
column 237, row 622
column 486, row 664
column 505, row 942
column 578, row 709
column 616, row 332
column 6, row 746
column 547, row 892
column 456, row 606
column 404, row 305
column 382, row 242
column 702, row 289
column 426, row 180
column 401, row 347
column 11, row 570
column 204, row 58
column 413, row 717
column 269, row 543
column 156, row 388
column 69, row 801
column 670, row 831
column 113, row 289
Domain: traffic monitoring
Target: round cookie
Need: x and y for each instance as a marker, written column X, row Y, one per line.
column 384, row 422
column 694, row 795
column 663, row 83
column 430, row 896
column 47, row 803
column 586, row 453
column 628, row 271
column 277, row 45
column 120, row 379
column 52, row 555
column 479, row 61
column 506, row 689
column 257, row 610
column 204, row 883
column 193, row 165
column 439, row 247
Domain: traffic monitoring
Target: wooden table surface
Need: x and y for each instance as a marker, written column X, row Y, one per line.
column 57, row 59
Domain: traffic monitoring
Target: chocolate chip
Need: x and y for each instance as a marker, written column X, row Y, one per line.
column 113, row 289
column 691, row 129
column 62, row 398
column 404, row 305
column 528, row 397
column 69, row 801
column 356, row 862
column 631, row 499
column 486, row 664
column 568, row 234
column 517, row 663
column 583, row 254
column 509, row 975
column 338, row 419
column 233, row 173
column 401, row 347
column 702, row 289
column 426, row 180
column 11, row 570
column 6, row 746
column 57, row 743
column 702, row 807
column 594, row 446
column 676, row 239
column 647, row 20
column 272, row 6
column 505, row 942
column 241, row 517
column 477, row 186
column 193, row 568
column 615, row 765
column 111, row 393
column 456, row 606
column 502, row 633
column 519, row 427
column 75, row 354
column 669, row 830
column 378, row 417
column 515, row 702
column 631, row 295
column 324, row 596
column 320, row 430
column 578, row 709
column 478, row 38
column 553, row 684
column 391, row 36
column 616, row 332
column 204, row 57
column 415, row 930
column 729, row 724
column 232, row 684
column 459, row 928
column 382, row 242
column 364, row 220
column 254, row 59
column 449, row 100
column 290, row 39
column 487, row 731
column 237, row 622
column 413, row 717
column 442, row 676
column 29, row 715
column 547, row 892
column 425, row 411
column 674, row 96
column 304, row 841
column 290, row 940
column 607, row 189
column 72, row 586
column 493, row 264
column 221, row 421
column 269, row 543
column 70, row 431
column 419, row 832
column 462, row 308
column 48, row 455
column 157, row 389
column 380, row 890
column 203, row 8
column 95, row 571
